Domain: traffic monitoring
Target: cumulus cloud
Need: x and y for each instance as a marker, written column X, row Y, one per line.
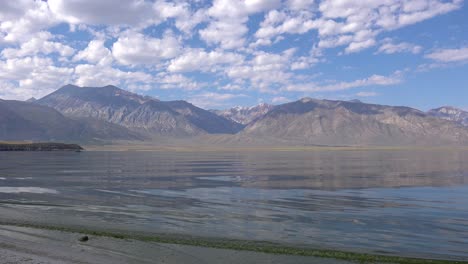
column 176, row 81
column 228, row 26
column 367, row 94
column 264, row 69
column 20, row 20
column 389, row 47
column 354, row 24
column 269, row 46
column 135, row 48
column 449, row 55
column 104, row 12
column 101, row 75
column 35, row 76
column 373, row 80
column 212, row 100
column 39, row 44
column 200, row 60
column 280, row 100
column 95, row 52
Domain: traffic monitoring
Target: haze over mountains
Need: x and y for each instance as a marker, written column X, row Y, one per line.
column 244, row 115
column 108, row 113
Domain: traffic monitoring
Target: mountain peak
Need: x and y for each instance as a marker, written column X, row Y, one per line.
column 306, row 100
column 450, row 113
column 136, row 112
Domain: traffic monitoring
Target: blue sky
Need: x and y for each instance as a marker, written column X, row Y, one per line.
column 222, row 53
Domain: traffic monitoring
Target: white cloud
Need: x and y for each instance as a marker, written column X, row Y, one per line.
column 95, row 52
column 265, row 69
column 355, row 24
column 388, row 47
column 228, row 34
column 231, row 87
column 373, row 80
column 20, row 20
column 280, row 100
column 218, row 38
column 176, row 81
column 200, row 60
column 278, row 22
column 135, row 48
column 100, row 75
column 297, row 5
column 358, row 46
column 211, row 100
column 105, row 12
column 228, row 25
column 302, row 63
column 185, row 18
column 39, row 44
column 367, row 94
column 31, row 76
column 449, row 55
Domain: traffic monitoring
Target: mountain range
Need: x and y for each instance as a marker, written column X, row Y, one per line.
column 84, row 114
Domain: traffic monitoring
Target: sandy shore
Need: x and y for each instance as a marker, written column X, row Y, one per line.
column 34, row 246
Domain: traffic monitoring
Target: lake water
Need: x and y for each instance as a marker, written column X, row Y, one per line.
column 412, row 203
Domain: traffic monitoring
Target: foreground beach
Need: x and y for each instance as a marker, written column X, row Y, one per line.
column 34, row 246
column 47, row 244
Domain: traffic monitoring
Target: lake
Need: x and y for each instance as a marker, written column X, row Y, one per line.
column 405, row 202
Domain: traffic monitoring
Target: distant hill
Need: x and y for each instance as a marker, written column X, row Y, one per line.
column 327, row 122
column 29, row 121
column 244, row 115
column 451, row 113
column 139, row 113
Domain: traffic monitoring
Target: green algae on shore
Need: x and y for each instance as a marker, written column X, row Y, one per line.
column 255, row 246
column 44, row 146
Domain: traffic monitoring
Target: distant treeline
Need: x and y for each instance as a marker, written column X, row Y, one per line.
column 38, row 147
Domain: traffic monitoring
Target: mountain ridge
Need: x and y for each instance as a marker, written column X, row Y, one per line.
column 112, row 113
column 332, row 122
column 451, row 113
column 140, row 113
column 29, row 121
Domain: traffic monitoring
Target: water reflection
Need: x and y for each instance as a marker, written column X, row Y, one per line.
column 410, row 202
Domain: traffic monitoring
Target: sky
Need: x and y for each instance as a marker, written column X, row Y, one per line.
column 224, row 53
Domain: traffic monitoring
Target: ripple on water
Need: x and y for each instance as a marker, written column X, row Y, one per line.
column 37, row 190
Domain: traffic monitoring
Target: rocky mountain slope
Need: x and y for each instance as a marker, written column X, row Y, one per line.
column 29, row 121
column 451, row 113
column 110, row 113
column 139, row 113
column 244, row 115
column 327, row 122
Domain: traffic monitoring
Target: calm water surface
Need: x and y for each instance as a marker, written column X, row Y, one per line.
column 412, row 203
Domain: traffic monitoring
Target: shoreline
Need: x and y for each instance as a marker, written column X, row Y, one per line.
column 195, row 148
column 237, row 245
column 39, row 146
